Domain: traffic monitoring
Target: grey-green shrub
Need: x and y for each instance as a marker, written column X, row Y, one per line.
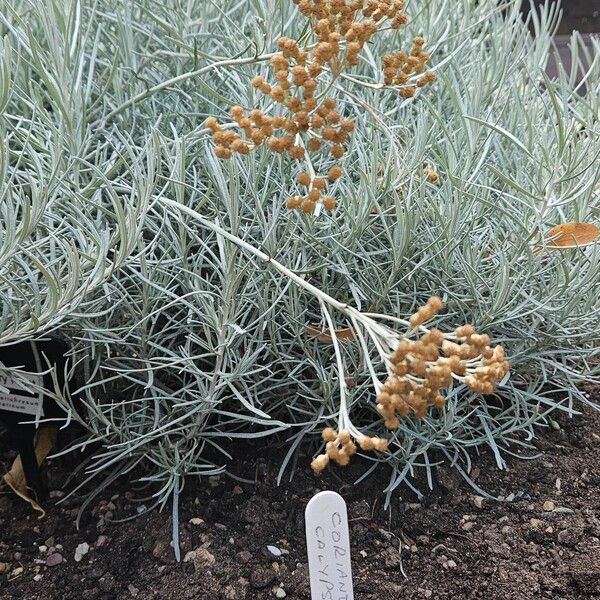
column 186, row 341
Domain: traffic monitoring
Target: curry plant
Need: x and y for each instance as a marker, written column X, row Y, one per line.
column 232, row 209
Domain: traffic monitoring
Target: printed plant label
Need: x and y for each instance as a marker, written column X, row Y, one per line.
column 14, row 402
column 328, row 546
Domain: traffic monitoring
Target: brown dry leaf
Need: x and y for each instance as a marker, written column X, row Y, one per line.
column 572, row 235
column 323, row 335
column 15, row 478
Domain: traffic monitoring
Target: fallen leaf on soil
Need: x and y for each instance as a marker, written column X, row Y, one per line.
column 15, row 478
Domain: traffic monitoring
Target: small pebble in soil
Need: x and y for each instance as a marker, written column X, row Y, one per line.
column 17, row 572
column 43, row 548
column 200, row 557
column 549, row 506
column 477, row 501
column 196, row 521
column 274, row 550
column 54, row 559
column 37, row 577
column 570, row 536
column 535, row 522
column 4, row 567
column 279, row 592
column 261, row 577
column 81, row 550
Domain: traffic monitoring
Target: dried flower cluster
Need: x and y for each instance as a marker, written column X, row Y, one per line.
column 339, row 447
column 399, row 66
column 418, row 369
column 308, row 122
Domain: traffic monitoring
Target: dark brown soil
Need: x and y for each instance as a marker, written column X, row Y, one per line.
column 448, row 546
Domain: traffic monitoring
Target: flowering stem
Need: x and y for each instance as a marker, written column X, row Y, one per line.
column 320, row 294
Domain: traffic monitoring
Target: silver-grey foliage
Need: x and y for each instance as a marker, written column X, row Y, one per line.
column 184, row 338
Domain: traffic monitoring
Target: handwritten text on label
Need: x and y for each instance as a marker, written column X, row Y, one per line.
column 328, row 547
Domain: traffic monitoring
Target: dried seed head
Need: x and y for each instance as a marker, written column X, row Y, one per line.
column 293, row 202
column 329, row 203
column 303, row 178
column 320, row 463
column 222, row 152
column 335, row 172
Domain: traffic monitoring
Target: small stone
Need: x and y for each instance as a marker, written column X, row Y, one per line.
column 37, row 577
column 244, row 556
column 237, row 490
column 49, row 542
column 535, row 522
column 201, row 558
column 102, row 539
column 196, row 521
column 43, row 548
column 54, row 559
column 468, row 525
column 4, row 567
column 133, row 590
column 274, row 550
column 18, row 556
column 81, row 550
column 279, row 593
column 159, row 549
column 17, row 572
column 478, row 501
column 549, row 506
column 261, row 577
column 451, row 564
column 570, row 536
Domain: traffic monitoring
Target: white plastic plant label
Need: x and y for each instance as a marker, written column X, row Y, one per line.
column 328, row 547
column 15, row 402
